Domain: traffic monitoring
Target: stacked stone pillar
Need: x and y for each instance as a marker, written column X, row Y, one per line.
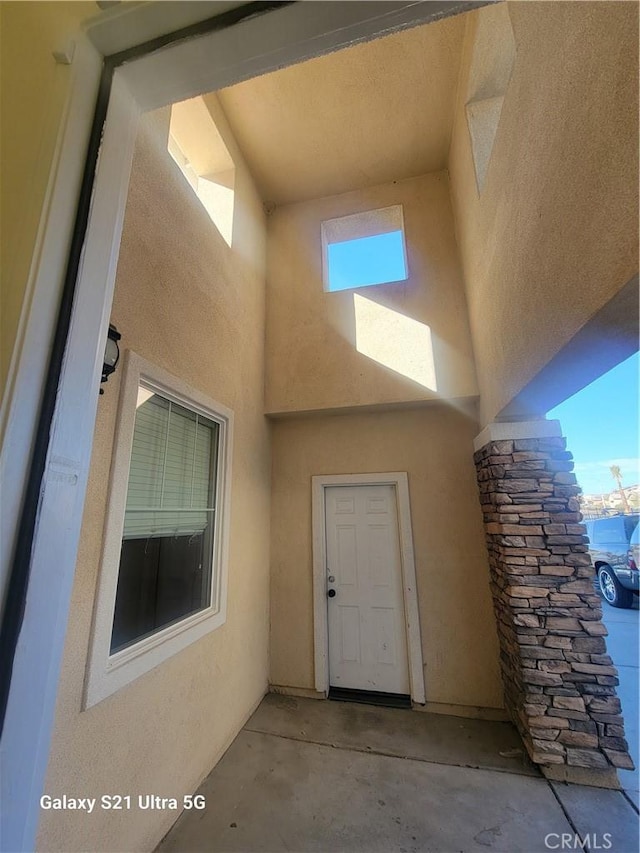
column 559, row 682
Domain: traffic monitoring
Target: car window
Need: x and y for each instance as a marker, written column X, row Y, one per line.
column 630, row 524
column 610, row 531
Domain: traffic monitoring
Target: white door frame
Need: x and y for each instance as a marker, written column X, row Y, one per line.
column 400, row 482
column 181, row 69
column 36, row 666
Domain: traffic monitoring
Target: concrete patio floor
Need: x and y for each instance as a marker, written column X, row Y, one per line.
column 307, row 775
column 623, row 644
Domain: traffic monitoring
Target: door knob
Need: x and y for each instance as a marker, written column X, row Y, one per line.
column 331, row 593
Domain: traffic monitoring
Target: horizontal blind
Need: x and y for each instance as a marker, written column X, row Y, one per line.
column 171, row 489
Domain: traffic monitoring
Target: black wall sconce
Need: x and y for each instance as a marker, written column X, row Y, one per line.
column 111, row 354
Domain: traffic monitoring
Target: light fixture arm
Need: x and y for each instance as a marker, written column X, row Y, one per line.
column 111, row 354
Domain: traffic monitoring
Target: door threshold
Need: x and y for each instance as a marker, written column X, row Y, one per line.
column 370, row 697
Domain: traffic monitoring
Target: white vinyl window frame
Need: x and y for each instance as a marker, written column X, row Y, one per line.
column 107, row 672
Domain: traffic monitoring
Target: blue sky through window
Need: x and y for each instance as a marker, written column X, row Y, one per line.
column 366, row 261
column 601, row 425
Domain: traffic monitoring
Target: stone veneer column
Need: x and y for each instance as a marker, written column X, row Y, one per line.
column 559, row 682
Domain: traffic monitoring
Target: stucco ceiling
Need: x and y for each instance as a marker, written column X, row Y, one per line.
column 363, row 116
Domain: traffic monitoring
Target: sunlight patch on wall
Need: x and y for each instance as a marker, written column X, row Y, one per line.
column 199, row 150
column 483, row 118
column 395, row 341
column 494, row 56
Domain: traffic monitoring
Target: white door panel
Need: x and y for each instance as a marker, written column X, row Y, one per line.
column 367, row 636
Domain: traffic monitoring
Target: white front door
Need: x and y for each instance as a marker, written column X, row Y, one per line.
column 367, row 635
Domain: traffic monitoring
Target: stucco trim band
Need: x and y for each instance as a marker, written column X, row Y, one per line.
column 498, row 431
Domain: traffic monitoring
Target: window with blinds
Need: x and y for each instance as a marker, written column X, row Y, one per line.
column 165, row 568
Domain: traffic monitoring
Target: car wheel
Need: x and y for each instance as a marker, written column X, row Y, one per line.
column 612, row 590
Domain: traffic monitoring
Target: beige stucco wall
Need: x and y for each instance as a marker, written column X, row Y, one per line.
column 433, row 444
column 191, row 305
column 33, row 95
column 553, row 236
column 312, row 359
column 374, row 112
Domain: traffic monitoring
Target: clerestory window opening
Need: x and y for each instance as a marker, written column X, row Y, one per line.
column 364, row 249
